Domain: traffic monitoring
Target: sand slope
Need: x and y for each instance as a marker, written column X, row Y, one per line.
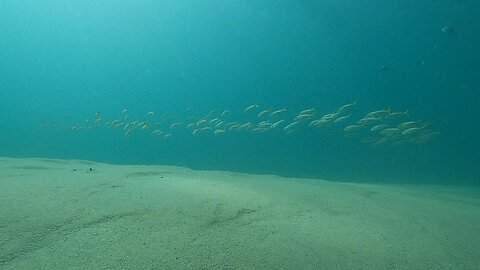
column 57, row 214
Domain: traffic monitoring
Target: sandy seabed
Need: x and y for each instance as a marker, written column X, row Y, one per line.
column 59, row 214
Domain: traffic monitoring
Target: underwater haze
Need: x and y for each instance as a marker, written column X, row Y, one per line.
column 106, row 80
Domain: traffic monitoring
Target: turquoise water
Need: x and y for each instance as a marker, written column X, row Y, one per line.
column 64, row 61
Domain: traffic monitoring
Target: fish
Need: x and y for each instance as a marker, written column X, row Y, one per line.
column 219, row 124
column 234, row 127
column 214, row 121
column 329, row 117
column 379, row 127
column 291, row 126
column 353, row 128
column 157, row 132
column 246, row 125
column 176, row 124
column 191, row 125
column 218, row 132
column 384, row 68
column 124, row 111
column 201, row 130
column 262, row 113
column 251, row 108
column 150, row 113
column 264, row 124
column 319, row 123
column 276, row 124
column 347, row 107
column 212, row 112
column 224, row 113
column 202, row 122
column 395, row 115
column 303, row 117
column 339, row 119
column 167, row 135
column 367, row 120
column 115, row 123
column 129, row 126
column 258, row 130
column 308, row 111
column 378, row 114
column 408, row 125
column 381, row 141
column 143, row 125
column 412, row 131
column 277, row 112
column 127, row 133
column 420, row 140
column 165, row 117
column 314, row 123
column 231, row 123
column 424, row 137
column 447, row 29
column 390, row 131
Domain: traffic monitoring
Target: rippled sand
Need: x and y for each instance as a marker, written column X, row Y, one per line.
column 59, row 214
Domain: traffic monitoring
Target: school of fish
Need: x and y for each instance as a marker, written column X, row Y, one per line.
column 378, row 127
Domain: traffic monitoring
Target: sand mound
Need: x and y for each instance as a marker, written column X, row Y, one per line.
column 59, row 214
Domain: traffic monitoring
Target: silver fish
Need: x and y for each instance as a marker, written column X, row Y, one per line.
column 277, row 112
column 339, row 119
column 262, row 113
column 291, row 126
column 218, row 132
column 353, row 128
column 308, row 111
column 368, row 120
column 251, row 107
column 408, row 125
column 390, row 131
column 395, row 115
column 347, row 107
column 412, row 131
column 377, row 114
column 201, row 130
column 303, row 117
column 224, row 113
column 276, row 124
column 379, row 127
